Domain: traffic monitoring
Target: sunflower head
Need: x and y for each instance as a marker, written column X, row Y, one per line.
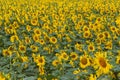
column 102, row 63
column 74, row 56
column 53, row 40
column 22, row 48
column 84, row 61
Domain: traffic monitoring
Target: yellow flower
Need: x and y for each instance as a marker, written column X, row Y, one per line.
column 24, row 58
column 27, row 40
column 64, row 56
column 40, row 60
column 84, row 61
column 37, row 31
column 2, row 77
column 28, row 28
column 53, row 40
column 102, row 63
column 36, row 38
column 74, row 56
column 34, row 22
column 55, row 63
column 92, row 77
column 108, row 45
column 41, row 41
column 101, row 36
column 72, row 63
column 91, row 47
column 7, row 52
column 76, row 71
column 11, row 48
column 118, row 59
column 39, row 78
column 86, row 34
column 41, row 70
column 13, row 38
column 34, row 48
column 85, row 28
column 22, row 48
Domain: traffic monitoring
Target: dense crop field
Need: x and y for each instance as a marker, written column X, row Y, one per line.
column 59, row 39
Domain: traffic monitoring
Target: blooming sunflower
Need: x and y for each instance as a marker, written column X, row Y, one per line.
column 74, row 56
column 102, row 63
column 37, row 31
column 41, row 41
column 34, row 22
column 91, row 48
column 22, row 48
column 27, row 40
column 40, row 60
column 34, row 48
column 53, row 40
column 7, row 52
column 84, row 61
column 86, row 34
column 28, row 28
column 36, row 38
column 55, row 63
column 64, row 56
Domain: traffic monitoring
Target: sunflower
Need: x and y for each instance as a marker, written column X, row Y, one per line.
column 7, row 52
column 34, row 48
column 76, row 71
column 41, row 70
column 13, row 38
column 92, row 77
column 2, row 77
column 85, row 28
column 36, row 38
column 102, row 63
column 22, row 48
column 91, row 48
column 28, row 28
column 113, row 29
column 55, row 63
column 11, row 48
column 53, row 40
column 84, row 61
column 101, row 36
column 108, row 45
column 37, row 31
column 118, row 59
column 41, row 41
column 40, row 60
column 34, row 22
column 64, row 56
column 86, row 34
column 74, row 56
column 107, row 34
column 27, row 40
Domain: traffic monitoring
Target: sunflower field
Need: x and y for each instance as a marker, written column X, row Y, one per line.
column 59, row 39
